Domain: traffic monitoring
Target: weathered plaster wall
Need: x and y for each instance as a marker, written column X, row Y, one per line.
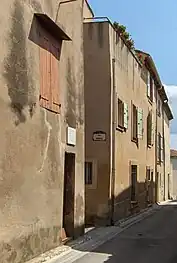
column 97, row 116
column 160, row 166
column 33, row 140
column 131, row 89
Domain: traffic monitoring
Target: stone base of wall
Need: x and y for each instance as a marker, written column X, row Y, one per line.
column 24, row 248
column 122, row 209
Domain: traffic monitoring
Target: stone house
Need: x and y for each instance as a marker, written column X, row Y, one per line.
column 120, row 126
column 161, row 121
column 42, row 189
column 173, row 157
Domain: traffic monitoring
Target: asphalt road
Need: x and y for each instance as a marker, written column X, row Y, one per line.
column 152, row 240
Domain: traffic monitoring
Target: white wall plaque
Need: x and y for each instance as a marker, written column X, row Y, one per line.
column 71, row 136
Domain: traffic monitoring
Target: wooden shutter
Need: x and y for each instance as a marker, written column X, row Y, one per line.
column 162, row 148
column 148, row 84
column 152, row 128
column 140, row 123
column 55, row 103
column 135, row 122
column 125, row 116
column 45, row 95
column 49, row 71
column 149, row 128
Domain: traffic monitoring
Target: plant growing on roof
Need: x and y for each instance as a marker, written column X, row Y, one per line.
column 121, row 30
column 130, row 43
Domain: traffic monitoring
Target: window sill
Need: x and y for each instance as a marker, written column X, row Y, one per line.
column 149, row 146
column 120, row 128
column 135, row 140
column 150, row 100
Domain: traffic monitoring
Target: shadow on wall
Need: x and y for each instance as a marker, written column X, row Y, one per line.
column 143, row 195
column 17, row 74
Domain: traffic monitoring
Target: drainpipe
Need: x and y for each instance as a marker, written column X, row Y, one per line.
column 164, row 164
column 156, row 179
column 113, row 142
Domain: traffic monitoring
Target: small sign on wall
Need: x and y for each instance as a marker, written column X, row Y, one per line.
column 99, row 136
column 71, row 136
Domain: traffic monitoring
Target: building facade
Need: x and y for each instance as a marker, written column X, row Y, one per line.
column 173, row 157
column 160, row 121
column 121, row 125
column 42, row 114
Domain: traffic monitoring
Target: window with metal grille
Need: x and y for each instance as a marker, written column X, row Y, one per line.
column 88, row 173
column 133, row 182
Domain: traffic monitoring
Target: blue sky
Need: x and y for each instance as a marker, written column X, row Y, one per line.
column 153, row 26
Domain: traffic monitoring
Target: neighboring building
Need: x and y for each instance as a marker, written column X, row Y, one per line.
column 160, row 120
column 42, row 190
column 173, row 156
column 121, row 126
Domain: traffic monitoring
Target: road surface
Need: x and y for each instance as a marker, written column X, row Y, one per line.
column 152, row 240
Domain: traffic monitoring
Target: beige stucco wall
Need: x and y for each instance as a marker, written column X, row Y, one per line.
column 97, row 115
column 99, row 50
column 87, row 12
column 130, row 88
column 174, row 176
column 33, row 140
column 168, row 175
column 160, row 166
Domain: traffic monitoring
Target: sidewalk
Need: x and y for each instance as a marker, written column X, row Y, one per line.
column 92, row 239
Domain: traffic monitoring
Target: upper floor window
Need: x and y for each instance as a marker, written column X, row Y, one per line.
column 137, row 123
column 160, row 148
column 159, row 107
column 150, row 129
column 122, row 115
column 49, row 71
column 150, row 86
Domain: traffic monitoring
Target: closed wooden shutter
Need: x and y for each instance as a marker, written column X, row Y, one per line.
column 49, row 72
column 125, row 116
column 45, row 72
column 140, row 123
column 55, row 77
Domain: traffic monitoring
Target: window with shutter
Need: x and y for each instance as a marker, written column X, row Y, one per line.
column 148, row 84
column 125, row 116
column 159, row 148
column 152, row 128
column 134, row 123
column 49, row 71
column 140, row 123
column 162, row 148
column 149, row 129
column 120, row 118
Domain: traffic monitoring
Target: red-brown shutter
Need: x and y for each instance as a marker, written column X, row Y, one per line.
column 55, row 77
column 45, row 72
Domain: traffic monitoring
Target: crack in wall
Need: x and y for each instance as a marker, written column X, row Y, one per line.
column 49, row 128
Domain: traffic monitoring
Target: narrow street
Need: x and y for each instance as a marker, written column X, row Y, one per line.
column 152, row 240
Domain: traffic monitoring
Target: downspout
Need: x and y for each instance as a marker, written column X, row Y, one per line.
column 156, row 179
column 113, row 139
column 164, row 164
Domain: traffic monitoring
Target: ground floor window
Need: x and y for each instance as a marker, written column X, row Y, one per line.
column 133, row 182
column 88, row 173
